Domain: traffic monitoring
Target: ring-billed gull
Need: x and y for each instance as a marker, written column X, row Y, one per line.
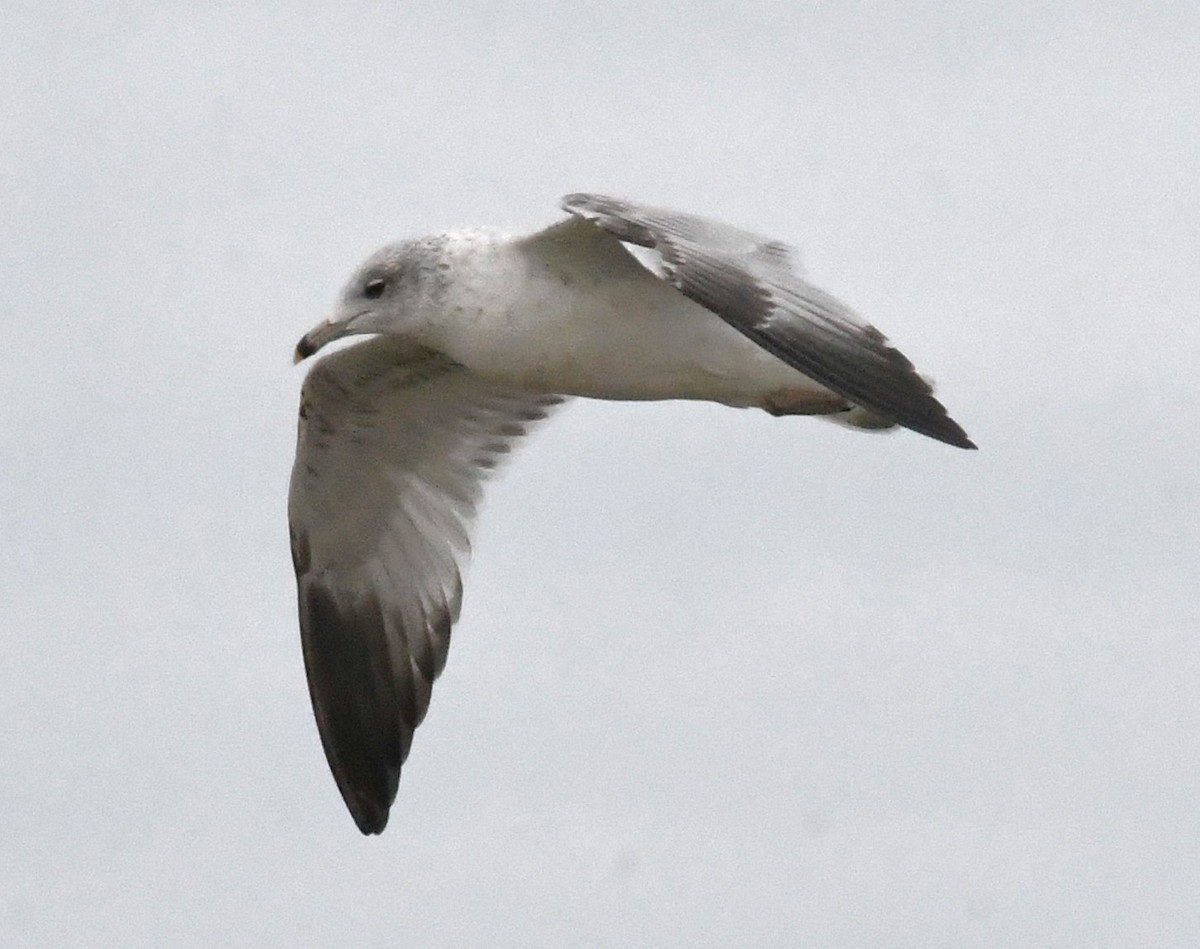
column 477, row 336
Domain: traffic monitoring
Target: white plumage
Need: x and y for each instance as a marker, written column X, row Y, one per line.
column 478, row 336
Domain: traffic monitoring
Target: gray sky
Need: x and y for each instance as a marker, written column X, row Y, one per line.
column 721, row 679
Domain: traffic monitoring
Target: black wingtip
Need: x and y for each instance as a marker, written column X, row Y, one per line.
column 354, row 699
column 951, row 433
column 368, row 797
column 945, row 430
column 371, row 820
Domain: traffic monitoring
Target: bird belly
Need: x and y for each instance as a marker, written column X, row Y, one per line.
column 623, row 335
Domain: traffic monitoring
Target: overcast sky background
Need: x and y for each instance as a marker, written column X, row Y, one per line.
column 720, row 679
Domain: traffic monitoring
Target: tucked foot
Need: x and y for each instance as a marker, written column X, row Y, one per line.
column 804, row 402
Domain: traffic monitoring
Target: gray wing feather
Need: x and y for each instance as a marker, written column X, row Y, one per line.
column 743, row 278
column 394, row 443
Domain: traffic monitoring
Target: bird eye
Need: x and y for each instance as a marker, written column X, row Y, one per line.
column 374, row 289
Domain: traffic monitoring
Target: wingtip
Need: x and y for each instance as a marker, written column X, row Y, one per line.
column 370, row 823
column 576, row 197
column 952, row 434
column 941, row 428
column 370, row 808
column 370, row 813
column 587, row 203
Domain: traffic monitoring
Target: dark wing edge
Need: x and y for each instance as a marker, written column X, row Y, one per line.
column 393, row 447
column 804, row 326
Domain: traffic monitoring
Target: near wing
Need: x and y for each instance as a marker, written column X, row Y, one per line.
column 747, row 280
column 393, row 446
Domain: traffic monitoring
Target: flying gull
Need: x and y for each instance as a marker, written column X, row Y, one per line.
column 477, row 336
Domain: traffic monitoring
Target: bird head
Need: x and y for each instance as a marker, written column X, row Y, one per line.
column 377, row 299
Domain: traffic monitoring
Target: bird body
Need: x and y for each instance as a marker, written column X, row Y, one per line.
column 478, row 336
column 618, row 332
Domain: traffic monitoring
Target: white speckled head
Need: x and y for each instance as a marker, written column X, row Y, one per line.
column 395, row 291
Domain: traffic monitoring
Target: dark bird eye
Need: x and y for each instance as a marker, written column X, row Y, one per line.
column 374, row 289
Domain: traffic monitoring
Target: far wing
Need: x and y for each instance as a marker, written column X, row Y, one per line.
column 394, row 443
column 741, row 278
